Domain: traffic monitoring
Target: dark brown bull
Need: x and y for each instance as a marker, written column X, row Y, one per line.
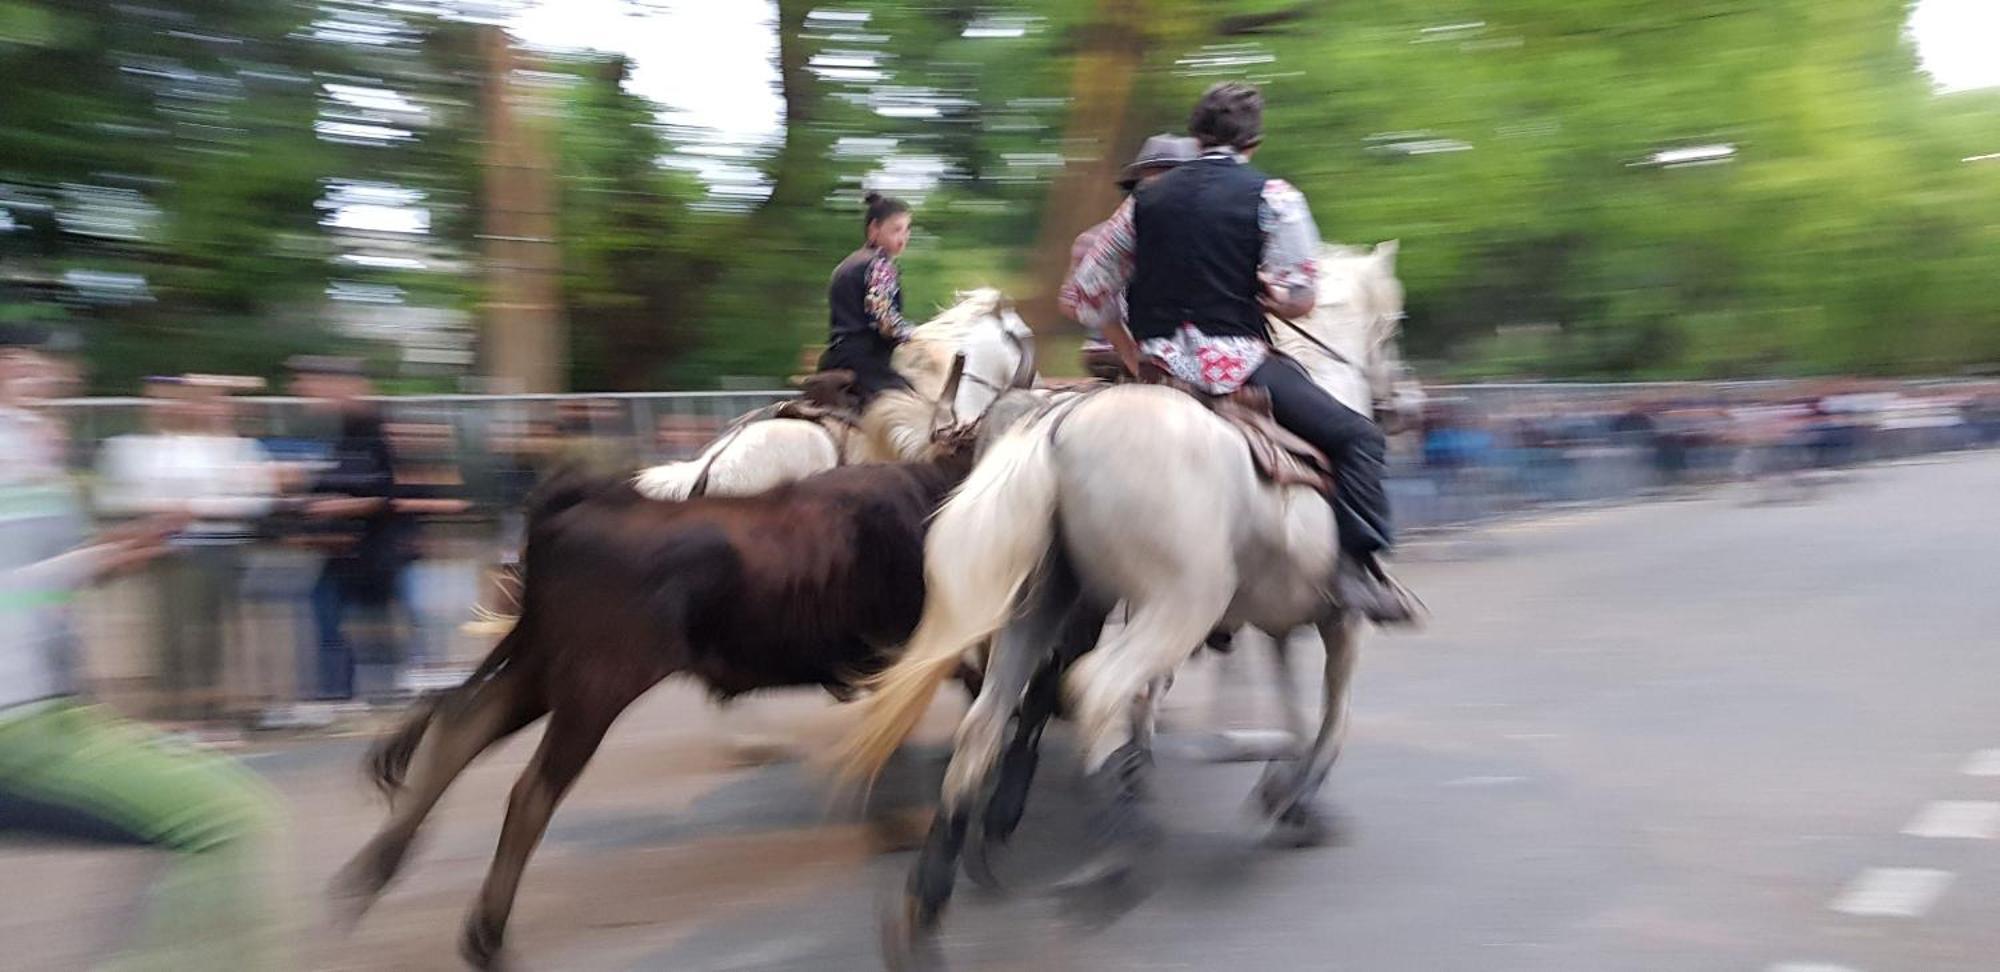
column 813, row 583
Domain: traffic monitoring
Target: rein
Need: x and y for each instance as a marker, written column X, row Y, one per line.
column 1316, row 342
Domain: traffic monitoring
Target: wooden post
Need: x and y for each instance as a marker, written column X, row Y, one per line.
column 526, row 343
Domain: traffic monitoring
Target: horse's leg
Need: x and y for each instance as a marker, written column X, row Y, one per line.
column 1105, row 686
column 1289, row 709
column 455, row 737
column 573, row 735
column 1287, row 797
column 1015, row 774
column 1017, row 653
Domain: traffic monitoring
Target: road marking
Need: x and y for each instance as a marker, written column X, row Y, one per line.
column 1963, row 819
column 1892, row 892
column 1985, row 762
column 1807, row 967
column 1484, row 781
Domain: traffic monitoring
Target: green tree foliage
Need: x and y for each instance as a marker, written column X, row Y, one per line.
column 1582, row 187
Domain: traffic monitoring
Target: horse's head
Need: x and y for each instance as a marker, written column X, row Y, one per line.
column 1350, row 337
column 996, row 346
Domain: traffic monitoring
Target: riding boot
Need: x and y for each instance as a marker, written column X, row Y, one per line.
column 1362, row 585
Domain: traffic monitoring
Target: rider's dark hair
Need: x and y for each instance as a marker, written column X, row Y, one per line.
column 881, row 207
column 1230, row 113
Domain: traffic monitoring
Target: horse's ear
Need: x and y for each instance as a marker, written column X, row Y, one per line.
column 1385, row 252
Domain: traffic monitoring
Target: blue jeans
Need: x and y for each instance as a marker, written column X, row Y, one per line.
column 333, row 664
column 334, row 603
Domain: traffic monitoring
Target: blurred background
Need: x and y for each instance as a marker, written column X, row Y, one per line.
column 1650, row 249
column 601, row 195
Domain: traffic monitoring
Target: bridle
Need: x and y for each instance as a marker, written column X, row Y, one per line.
column 1024, row 372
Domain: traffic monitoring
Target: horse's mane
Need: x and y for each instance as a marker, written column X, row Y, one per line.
column 951, row 324
column 931, row 346
column 1375, row 284
column 899, row 423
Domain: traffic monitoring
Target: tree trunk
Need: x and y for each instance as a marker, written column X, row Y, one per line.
column 1100, row 129
column 526, row 347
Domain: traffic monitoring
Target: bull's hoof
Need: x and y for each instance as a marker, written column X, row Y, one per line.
column 978, row 863
column 354, row 889
column 750, row 752
column 895, row 831
column 480, row 945
column 909, row 944
column 349, row 897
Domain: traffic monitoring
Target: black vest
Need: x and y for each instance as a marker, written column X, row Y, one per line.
column 1199, row 247
column 846, row 299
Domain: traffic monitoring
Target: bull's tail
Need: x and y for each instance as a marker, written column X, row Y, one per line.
column 389, row 759
column 982, row 549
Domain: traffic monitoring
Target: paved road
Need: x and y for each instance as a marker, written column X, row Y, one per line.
column 1682, row 736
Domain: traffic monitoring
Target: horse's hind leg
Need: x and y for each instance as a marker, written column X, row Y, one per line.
column 1015, row 774
column 573, row 734
column 1105, row 686
column 455, row 737
column 1287, row 797
column 1017, row 655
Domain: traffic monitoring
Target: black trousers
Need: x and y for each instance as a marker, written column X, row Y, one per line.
column 869, row 360
column 1351, row 440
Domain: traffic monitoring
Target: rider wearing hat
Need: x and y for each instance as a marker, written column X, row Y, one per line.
column 1184, row 273
column 1157, row 157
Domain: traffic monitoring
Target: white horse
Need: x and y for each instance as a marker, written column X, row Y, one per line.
column 1082, row 509
column 999, row 353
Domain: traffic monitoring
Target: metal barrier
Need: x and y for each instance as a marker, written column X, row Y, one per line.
column 1486, row 450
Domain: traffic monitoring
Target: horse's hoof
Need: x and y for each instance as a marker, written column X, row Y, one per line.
column 1102, row 891
column 480, row 945
column 1277, row 792
column 1302, row 827
column 978, row 864
column 908, row 944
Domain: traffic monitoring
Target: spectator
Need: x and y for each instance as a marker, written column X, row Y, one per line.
column 361, row 525
column 71, row 770
column 191, row 463
column 428, row 484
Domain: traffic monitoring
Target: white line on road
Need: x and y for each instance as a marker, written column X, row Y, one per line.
column 1985, row 762
column 1962, row 819
column 1807, row 967
column 1892, row 892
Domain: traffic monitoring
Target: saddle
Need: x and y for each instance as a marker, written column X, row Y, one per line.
column 825, row 396
column 1280, row 457
column 827, row 393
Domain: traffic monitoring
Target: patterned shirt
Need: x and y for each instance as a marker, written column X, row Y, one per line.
column 1065, row 300
column 884, row 299
column 1095, row 294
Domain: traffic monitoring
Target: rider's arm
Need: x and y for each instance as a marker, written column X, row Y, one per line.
column 1291, row 243
column 884, row 293
column 1095, row 294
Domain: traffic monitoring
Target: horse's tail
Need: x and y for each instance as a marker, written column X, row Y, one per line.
column 389, row 759
column 982, row 548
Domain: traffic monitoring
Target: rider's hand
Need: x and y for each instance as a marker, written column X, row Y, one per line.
column 1280, row 299
column 1275, row 294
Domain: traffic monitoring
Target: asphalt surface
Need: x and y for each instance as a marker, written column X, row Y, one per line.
column 1679, row 735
